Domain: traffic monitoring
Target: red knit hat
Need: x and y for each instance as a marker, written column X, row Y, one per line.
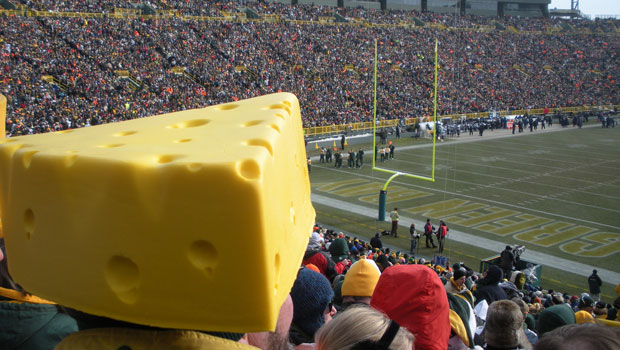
column 414, row 296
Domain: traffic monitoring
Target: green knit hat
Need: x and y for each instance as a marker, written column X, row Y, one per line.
column 339, row 249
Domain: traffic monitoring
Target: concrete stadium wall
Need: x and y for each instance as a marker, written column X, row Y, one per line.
column 365, row 4
column 333, row 3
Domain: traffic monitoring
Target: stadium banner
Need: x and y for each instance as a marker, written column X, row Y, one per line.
column 510, row 119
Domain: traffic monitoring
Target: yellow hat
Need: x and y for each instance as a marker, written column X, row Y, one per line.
column 361, row 279
column 584, row 317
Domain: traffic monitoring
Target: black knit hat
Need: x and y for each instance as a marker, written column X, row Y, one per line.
column 311, row 296
column 458, row 273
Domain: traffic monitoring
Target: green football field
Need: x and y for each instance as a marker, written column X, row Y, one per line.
column 557, row 193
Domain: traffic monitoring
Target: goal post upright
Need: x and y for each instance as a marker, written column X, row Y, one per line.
column 383, row 191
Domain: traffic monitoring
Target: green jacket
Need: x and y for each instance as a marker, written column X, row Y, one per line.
column 30, row 326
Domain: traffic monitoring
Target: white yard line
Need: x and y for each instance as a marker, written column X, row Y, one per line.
column 526, row 209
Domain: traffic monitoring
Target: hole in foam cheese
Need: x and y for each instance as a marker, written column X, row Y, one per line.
column 204, row 235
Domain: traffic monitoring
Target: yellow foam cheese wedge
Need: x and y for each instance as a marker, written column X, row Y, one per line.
column 191, row 220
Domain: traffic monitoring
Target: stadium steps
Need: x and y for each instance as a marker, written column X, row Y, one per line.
column 418, row 22
column 251, row 14
column 498, row 25
column 55, row 81
column 134, row 83
column 518, row 68
column 513, row 29
column 339, row 18
column 7, row 5
column 352, row 68
column 566, row 27
column 249, row 72
column 187, row 74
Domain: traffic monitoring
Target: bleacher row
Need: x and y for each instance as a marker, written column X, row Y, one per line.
column 62, row 72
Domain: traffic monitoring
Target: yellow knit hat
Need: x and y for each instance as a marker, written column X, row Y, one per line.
column 361, row 279
column 584, row 317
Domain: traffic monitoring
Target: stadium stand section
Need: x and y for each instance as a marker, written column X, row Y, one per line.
column 71, row 69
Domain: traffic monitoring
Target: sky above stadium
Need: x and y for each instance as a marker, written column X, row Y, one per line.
column 591, row 7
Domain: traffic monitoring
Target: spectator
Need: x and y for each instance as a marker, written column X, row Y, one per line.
column 363, row 328
column 375, row 242
column 504, row 327
column 456, row 285
column 316, row 256
column 507, row 260
column 594, row 284
column 339, row 250
column 584, row 314
column 359, row 283
column 554, row 317
column 532, row 337
column 413, row 296
column 584, row 337
column 487, row 288
column 29, row 322
column 277, row 339
column 312, row 301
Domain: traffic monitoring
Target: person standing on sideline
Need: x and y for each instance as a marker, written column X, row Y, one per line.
column 415, row 237
column 394, row 215
column 360, row 158
column 507, row 260
column 342, row 142
column 595, row 283
column 442, row 232
column 428, row 232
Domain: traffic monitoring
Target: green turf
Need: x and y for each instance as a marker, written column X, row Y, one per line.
column 557, row 193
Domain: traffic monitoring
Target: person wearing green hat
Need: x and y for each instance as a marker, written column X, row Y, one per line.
column 339, row 250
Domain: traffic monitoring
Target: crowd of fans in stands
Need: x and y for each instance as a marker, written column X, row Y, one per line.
column 350, row 294
column 329, row 67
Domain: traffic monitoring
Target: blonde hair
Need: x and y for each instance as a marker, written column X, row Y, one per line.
column 357, row 324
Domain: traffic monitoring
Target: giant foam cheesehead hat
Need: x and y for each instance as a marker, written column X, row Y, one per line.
column 137, row 220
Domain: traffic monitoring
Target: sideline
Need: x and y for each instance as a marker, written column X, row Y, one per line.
column 544, row 259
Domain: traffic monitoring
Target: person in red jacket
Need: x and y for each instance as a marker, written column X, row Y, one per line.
column 428, row 232
column 316, row 256
column 442, row 232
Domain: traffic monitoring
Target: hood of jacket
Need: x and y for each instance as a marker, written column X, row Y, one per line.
column 414, row 296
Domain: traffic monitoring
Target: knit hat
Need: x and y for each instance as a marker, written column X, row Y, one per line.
column 313, row 268
column 584, row 317
column 315, row 241
column 494, row 275
column 554, row 317
column 586, row 301
column 311, row 294
column 460, row 315
column 339, row 249
column 458, row 273
column 382, row 262
column 361, row 279
column 413, row 296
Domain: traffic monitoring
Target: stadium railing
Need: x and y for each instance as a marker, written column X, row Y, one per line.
column 319, row 131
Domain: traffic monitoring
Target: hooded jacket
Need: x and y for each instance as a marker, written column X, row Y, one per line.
column 488, row 288
column 28, row 322
column 414, row 297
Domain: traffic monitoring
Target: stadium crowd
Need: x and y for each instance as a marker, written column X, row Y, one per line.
column 108, row 69
column 350, row 294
